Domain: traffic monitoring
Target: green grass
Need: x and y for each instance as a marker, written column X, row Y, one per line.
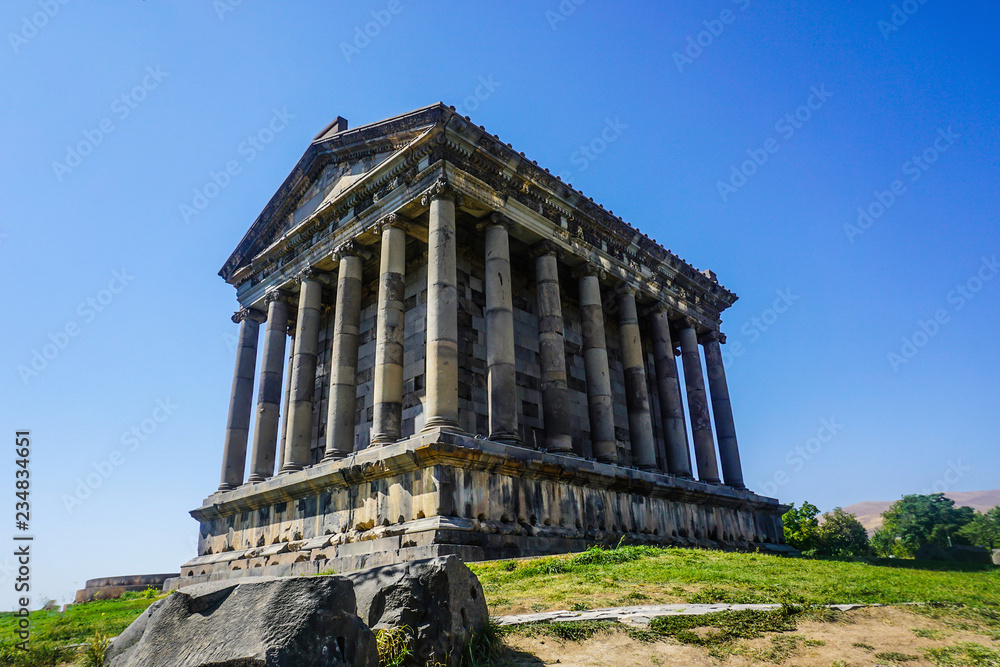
column 52, row 631
column 599, row 578
column 966, row 653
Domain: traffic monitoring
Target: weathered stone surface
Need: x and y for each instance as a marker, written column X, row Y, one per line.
column 996, row 556
column 932, row 552
column 440, row 600
column 297, row 622
column 967, row 554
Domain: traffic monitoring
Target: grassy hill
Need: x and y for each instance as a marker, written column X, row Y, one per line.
column 869, row 513
column 965, row 615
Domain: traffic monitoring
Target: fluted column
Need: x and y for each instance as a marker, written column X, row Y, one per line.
column 234, row 452
column 722, row 409
column 265, row 431
column 701, row 424
column 387, row 420
column 344, row 355
column 671, row 405
column 552, row 351
column 441, row 400
column 595, row 357
column 500, row 362
column 640, row 421
column 298, row 434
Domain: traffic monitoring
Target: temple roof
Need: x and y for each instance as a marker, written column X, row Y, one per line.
column 338, row 158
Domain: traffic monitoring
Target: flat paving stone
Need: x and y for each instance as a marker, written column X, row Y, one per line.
column 641, row 615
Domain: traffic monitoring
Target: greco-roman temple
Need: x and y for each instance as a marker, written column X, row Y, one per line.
column 455, row 352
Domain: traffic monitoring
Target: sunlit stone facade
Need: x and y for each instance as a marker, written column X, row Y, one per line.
column 445, row 349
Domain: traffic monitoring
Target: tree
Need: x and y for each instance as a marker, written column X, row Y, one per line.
column 801, row 527
column 915, row 520
column 984, row 529
column 842, row 535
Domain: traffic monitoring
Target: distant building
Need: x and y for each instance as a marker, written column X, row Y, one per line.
column 463, row 354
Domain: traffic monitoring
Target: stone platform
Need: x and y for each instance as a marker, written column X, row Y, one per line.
column 439, row 493
column 110, row 588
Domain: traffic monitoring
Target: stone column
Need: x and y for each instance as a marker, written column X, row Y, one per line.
column 298, row 432
column 265, row 430
column 552, row 351
column 502, row 383
column 722, row 409
column 234, row 453
column 344, row 355
column 288, row 393
column 441, row 400
column 671, row 406
column 701, row 425
column 640, row 421
column 595, row 358
column 387, row 393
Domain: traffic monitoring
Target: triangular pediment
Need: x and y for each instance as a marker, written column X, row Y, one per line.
column 335, row 161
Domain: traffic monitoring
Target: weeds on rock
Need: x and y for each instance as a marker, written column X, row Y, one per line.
column 393, row 645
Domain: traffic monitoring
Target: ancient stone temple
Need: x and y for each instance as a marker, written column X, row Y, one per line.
column 461, row 354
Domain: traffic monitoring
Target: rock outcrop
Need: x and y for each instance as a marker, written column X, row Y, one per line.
column 309, row 621
column 295, row 622
column 440, row 600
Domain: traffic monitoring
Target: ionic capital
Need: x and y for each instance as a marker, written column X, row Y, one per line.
column 624, row 288
column 276, row 294
column 352, row 249
column 588, row 269
column 689, row 322
column 310, row 273
column 249, row 314
column 712, row 336
column 546, row 248
column 494, row 220
column 441, row 189
column 659, row 308
column 392, row 220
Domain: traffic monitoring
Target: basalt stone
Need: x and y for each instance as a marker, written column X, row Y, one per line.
column 440, row 600
column 260, row 622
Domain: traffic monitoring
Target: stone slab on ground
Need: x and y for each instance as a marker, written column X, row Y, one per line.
column 641, row 615
column 294, row 622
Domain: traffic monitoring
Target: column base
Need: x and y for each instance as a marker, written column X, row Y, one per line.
column 506, row 438
column 294, row 467
column 382, row 439
column 333, row 456
column 560, row 445
column 653, row 469
column 226, row 487
column 254, row 478
column 443, row 424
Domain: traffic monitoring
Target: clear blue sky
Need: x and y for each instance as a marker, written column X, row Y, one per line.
column 98, row 244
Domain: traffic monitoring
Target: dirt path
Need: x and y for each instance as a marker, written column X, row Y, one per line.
column 861, row 638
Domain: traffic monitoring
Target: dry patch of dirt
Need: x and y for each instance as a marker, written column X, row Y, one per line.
column 864, row 637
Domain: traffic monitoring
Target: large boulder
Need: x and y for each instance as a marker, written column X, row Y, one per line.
column 252, row 622
column 996, row 556
column 440, row 600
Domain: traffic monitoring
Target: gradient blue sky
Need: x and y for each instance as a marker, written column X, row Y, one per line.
column 163, row 334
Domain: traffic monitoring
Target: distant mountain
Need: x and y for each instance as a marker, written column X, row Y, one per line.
column 869, row 513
